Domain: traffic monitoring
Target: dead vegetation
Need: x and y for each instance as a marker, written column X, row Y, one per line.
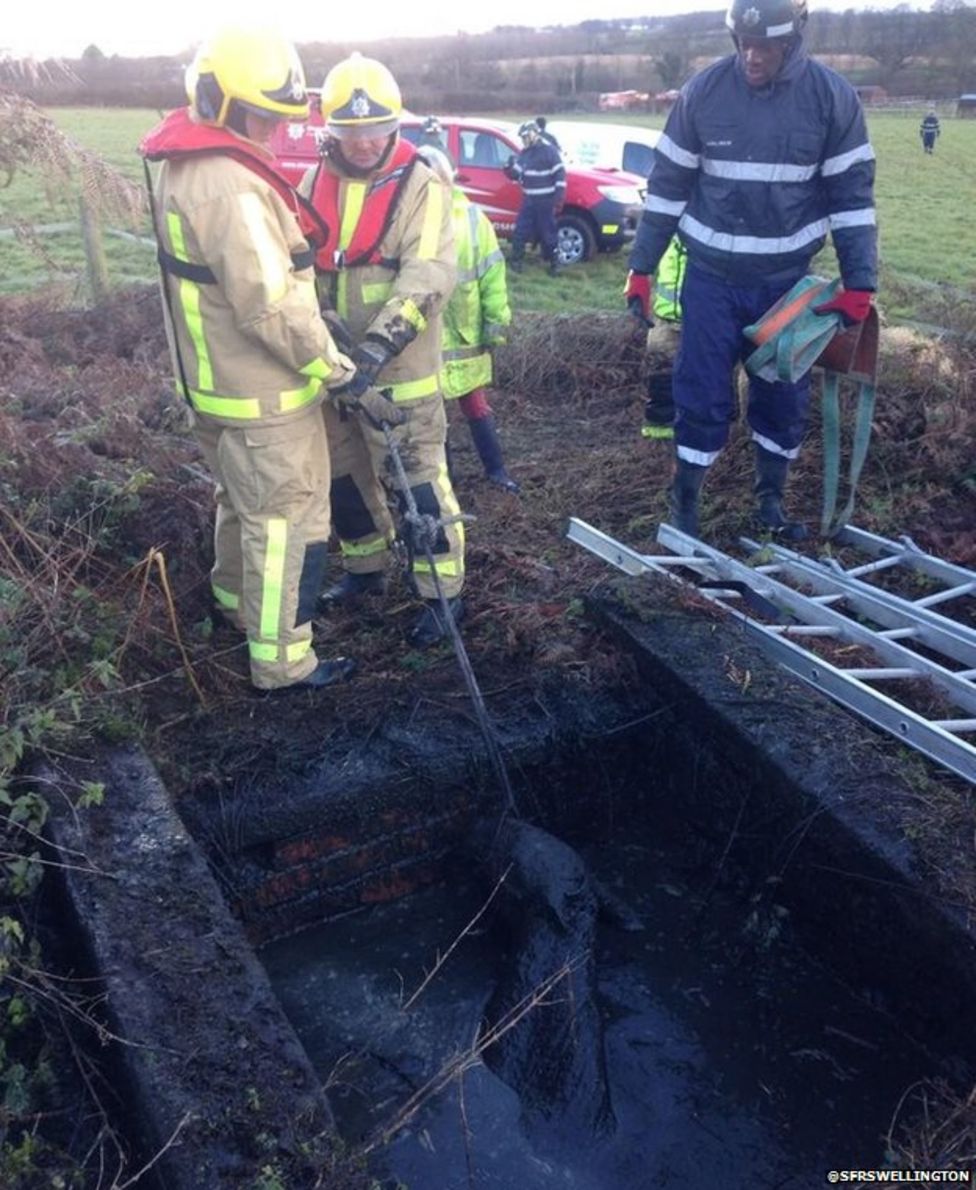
column 99, row 483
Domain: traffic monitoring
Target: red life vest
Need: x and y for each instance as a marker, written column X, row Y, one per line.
column 383, row 194
column 178, row 136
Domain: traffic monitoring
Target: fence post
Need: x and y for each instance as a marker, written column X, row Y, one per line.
column 91, row 234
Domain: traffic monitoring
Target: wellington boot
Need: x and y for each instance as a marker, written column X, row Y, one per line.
column 429, row 628
column 351, row 588
column 326, row 673
column 685, row 490
column 771, row 472
column 484, row 435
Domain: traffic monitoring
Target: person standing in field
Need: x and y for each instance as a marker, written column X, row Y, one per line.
column 540, row 172
column 475, row 321
column 763, row 153
column 253, row 358
column 929, row 131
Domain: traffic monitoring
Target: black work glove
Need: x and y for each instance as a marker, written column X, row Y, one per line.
column 360, row 397
column 371, row 357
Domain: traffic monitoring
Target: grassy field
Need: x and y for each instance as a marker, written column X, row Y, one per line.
column 928, row 235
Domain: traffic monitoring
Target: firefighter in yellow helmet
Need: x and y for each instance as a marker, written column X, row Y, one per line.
column 252, row 357
column 385, row 273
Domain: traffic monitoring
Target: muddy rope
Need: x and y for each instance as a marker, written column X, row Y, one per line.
column 424, row 530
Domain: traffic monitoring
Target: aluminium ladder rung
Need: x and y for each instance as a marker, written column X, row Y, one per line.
column 945, row 596
column 905, row 552
column 926, row 736
column 932, row 629
column 882, row 673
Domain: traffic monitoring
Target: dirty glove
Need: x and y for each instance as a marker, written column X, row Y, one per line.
column 637, row 295
column 371, row 357
column 358, row 396
column 853, row 305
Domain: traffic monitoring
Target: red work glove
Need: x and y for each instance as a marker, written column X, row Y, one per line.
column 853, row 305
column 637, row 295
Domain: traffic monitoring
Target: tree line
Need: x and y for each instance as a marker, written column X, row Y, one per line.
column 905, row 51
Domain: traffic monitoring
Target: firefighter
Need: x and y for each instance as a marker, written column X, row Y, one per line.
column 386, row 269
column 251, row 354
column 763, row 153
column 475, row 321
column 540, row 172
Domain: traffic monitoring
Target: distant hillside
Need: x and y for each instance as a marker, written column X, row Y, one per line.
column 931, row 54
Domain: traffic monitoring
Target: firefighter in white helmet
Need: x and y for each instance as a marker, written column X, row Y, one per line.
column 252, row 357
column 386, row 271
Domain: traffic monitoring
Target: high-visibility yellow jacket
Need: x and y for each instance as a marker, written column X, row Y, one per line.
column 400, row 299
column 246, row 333
column 667, row 282
column 478, row 312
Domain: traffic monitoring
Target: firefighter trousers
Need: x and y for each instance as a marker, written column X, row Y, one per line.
column 271, row 537
column 363, row 480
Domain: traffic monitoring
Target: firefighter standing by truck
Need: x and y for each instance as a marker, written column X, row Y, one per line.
column 764, row 152
column 540, row 172
column 251, row 354
column 386, row 269
column 475, row 321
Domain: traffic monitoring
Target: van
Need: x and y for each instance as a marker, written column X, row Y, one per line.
column 606, row 146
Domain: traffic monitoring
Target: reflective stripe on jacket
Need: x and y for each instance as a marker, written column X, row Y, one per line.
column 250, row 342
column 540, row 172
column 753, row 178
column 478, row 312
column 401, row 303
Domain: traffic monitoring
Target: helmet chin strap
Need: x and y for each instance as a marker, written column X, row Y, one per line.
column 334, row 146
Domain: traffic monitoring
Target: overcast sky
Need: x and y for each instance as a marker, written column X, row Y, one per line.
column 51, row 28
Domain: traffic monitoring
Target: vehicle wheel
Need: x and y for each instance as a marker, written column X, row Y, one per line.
column 575, row 241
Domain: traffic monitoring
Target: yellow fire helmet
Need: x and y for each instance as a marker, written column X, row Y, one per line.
column 359, row 94
column 256, row 71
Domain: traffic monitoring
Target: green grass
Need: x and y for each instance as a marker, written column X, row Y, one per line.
column 928, row 235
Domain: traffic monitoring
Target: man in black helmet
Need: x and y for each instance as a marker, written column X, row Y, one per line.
column 540, row 172
column 764, row 152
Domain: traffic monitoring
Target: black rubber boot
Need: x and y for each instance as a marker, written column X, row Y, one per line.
column 555, row 263
column 351, row 588
column 429, row 627
column 516, row 262
column 685, row 489
column 659, row 407
column 326, row 673
column 484, row 435
column 771, row 471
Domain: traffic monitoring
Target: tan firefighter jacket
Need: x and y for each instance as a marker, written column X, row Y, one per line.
column 407, row 291
column 251, row 341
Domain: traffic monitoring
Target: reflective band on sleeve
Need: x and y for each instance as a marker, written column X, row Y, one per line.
column 663, row 206
column 225, row 598
column 844, row 161
column 272, row 580
column 275, row 265
column 675, row 153
column 412, row 313
column 317, row 368
column 190, row 302
column 363, row 549
column 412, row 390
column 430, row 234
column 864, row 217
column 377, row 293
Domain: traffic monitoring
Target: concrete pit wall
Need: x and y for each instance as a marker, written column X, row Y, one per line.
column 769, row 776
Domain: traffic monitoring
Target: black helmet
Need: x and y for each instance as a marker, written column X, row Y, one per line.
column 528, row 131
column 766, row 18
column 432, row 126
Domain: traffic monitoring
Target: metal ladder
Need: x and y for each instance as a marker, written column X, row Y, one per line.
column 948, row 662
